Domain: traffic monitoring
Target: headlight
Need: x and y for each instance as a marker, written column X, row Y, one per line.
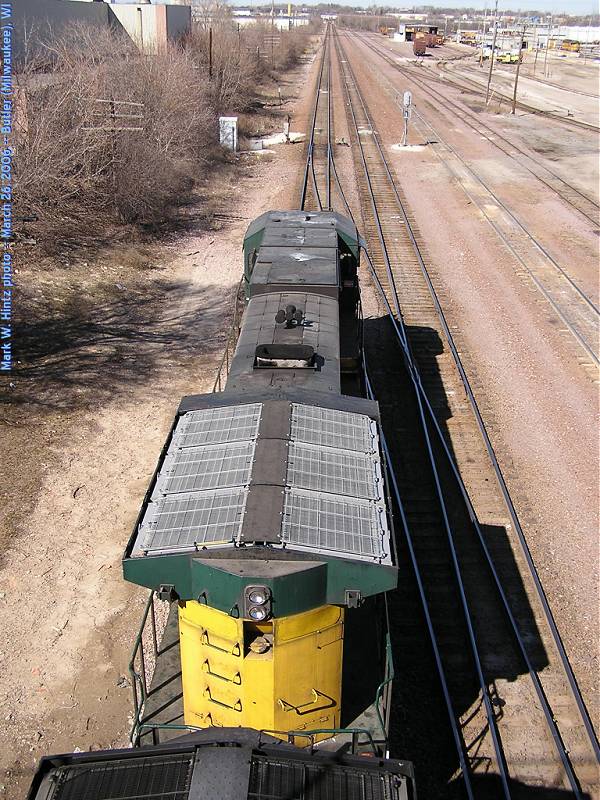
column 257, row 603
column 257, row 613
column 258, row 597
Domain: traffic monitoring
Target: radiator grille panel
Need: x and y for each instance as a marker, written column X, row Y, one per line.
column 165, row 778
column 218, row 425
column 274, row 780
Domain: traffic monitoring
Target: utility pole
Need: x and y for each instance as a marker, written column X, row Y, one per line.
column 547, row 47
column 483, row 36
column 535, row 46
column 210, row 54
column 487, row 92
column 587, row 41
column 514, row 102
column 272, row 32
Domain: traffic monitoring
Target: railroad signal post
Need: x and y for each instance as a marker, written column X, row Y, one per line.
column 406, row 112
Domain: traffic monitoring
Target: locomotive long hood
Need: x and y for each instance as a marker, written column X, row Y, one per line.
column 274, row 491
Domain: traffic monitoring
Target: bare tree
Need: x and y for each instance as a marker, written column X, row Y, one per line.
column 107, row 134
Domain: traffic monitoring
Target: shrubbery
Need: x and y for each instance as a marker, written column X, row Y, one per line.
column 105, row 134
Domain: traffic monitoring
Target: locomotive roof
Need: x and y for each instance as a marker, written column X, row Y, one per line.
column 296, row 264
column 220, row 764
column 318, row 329
column 312, row 223
column 298, row 248
column 300, row 477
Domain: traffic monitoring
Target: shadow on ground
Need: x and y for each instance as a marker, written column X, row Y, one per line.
column 420, row 730
column 91, row 352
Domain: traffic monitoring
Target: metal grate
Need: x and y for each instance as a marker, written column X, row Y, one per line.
column 287, row 780
column 218, row 425
column 334, row 471
column 329, row 428
column 209, row 467
column 201, row 489
column 195, row 519
column 339, row 524
column 165, row 778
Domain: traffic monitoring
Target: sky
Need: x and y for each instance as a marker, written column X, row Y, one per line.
column 566, row 6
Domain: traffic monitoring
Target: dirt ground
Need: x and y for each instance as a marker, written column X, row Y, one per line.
column 540, row 406
column 566, row 84
column 110, row 343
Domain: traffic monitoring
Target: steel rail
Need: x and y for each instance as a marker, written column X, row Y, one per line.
column 309, row 167
column 416, row 378
column 555, row 306
column 329, row 129
column 408, row 537
column 500, row 202
column 572, row 123
column 489, row 712
column 426, row 82
column 458, row 741
column 430, row 411
column 373, row 203
column 572, row 328
column 508, row 502
column 417, row 381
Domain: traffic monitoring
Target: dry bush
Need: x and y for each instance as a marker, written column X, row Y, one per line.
column 242, row 56
column 366, row 22
column 292, row 45
column 235, row 68
column 155, row 168
column 84, row 158
column 286, row 52
column 105, row 134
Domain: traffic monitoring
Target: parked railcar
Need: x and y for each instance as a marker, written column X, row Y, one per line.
column 420, row 46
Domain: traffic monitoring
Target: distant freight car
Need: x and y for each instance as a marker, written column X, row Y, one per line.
column 468, row 37
column 419, row 46
column 570, row 45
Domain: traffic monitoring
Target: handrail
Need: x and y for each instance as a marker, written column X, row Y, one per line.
column 232, row 337
column 384, row 688
column 355, row 732
column 139, row 678
column 290, row 735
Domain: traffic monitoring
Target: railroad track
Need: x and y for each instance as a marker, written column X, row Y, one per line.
column 570, row 194
column 516, row 714
column 575, row 310
column 315, row 194
column 462, row 81
column 557, row 85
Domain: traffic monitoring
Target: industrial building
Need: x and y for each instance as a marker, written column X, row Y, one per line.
column 149, row 26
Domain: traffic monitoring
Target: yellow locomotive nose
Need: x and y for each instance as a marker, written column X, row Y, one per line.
column 281, row 675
